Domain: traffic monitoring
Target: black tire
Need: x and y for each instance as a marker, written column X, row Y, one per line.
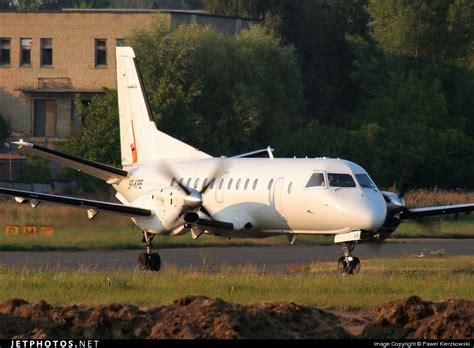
column 143, row 261
column 347, row 267
column 342, row 265
column 155, row 262
column 355, row 265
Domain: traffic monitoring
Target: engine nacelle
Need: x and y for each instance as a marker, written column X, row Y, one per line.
column 167, row 204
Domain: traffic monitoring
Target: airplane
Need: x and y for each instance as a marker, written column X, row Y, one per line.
column 170, row 188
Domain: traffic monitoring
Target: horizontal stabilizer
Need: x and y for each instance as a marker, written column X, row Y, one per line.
column 102, row 171
column 90, row 205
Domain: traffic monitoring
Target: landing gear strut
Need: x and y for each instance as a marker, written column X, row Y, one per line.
column 149, row 261
column 348, row 264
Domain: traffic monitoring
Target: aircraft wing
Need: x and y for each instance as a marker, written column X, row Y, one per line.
column 415, row 213
column 102, row 171
column 214, row 224
column 96, row 206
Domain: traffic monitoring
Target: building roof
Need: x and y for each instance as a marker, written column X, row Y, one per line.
column 58, row 90
column 133, row 10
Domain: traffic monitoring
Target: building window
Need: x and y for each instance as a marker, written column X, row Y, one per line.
column 45, row 118
column 100, row 52
column 46, row 52
column 5, row 51
column 25, row 53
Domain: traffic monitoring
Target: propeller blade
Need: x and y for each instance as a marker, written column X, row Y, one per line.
column 205, row 211
column 217, row 172
column 172, row 174
column 183, row 187
column 411, row 167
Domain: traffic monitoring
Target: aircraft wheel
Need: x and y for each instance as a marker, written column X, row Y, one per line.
column 155, row 262
column 348, row 265
column 143, row 261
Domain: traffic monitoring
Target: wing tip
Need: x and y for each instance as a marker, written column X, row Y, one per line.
column 22, row 143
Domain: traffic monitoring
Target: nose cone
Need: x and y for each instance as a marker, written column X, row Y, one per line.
column 193, row 200
column 371, row 213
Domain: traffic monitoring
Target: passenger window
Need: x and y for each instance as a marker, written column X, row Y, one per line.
column 340, row 180
column 173, row 182
column 221, row 184
column 229, row 186
column 238, row 184
column 316, row 180
column 213, row 181
column 196, row 183
column 290, row 186
column 246, row 184
column 270, row 185
column 188, row 182
column 204, row 183
column 255, row 184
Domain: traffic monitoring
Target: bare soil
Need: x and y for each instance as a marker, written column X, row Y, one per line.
column 201, row 317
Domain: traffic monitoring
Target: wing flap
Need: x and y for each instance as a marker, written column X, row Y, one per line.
column 415, row 213
column 215, row 224
column 102, row 171
column 86, row 204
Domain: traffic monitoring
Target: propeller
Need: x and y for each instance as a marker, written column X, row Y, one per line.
column 412, row 165
column 194, row 198
column 395, row 203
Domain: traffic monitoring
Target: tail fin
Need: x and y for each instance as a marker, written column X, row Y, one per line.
column 140, row 140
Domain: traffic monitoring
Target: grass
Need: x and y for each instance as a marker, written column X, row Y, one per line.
column 380, row 280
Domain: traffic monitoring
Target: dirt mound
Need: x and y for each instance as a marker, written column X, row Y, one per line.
column 413, row 318
column 190, row 317
column 201, row 317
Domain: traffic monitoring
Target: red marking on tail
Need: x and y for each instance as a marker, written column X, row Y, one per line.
column 134, row 147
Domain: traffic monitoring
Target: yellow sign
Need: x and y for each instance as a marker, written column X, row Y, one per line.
column 33, row 230
column 12, row 230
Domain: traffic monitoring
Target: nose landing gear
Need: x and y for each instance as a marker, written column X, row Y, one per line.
column 149, row 261
column 348, row 264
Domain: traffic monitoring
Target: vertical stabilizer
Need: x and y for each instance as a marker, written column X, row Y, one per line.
column 140, row 140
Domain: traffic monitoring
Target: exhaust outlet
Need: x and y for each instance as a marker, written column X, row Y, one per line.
column 191, row 217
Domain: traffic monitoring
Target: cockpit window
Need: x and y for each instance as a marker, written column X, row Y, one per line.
column 316, row 180
column 340, row 180
column 364, row 181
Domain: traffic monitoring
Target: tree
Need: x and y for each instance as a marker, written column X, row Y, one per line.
column 100, row 140
column 230, row 94
column 428, row 29
column 317, row 29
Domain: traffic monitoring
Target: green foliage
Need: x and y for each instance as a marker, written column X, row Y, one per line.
column 438, row 29
column 28, row 5
column 100, row 140
column 35, row 169
column 244, row 90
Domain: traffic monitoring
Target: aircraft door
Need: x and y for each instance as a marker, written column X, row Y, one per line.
column 220, row 187
column 277, row 199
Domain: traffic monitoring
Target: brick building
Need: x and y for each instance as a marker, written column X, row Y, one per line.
column 47, row 58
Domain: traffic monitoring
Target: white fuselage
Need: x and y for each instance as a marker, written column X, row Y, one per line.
column 261, row 196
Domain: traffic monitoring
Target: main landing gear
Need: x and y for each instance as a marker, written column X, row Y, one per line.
column 149, row 261
column 348, row 264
